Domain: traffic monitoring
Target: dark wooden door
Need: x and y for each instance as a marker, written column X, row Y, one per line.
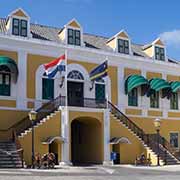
column 75, row 93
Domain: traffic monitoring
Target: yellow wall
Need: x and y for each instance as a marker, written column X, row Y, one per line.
column 123, row 35
column 74, row 24
column 151, row 75
column 33, row 62
column 129, row 71
column 8, row 103
column 154, row 113
column 52, row 127
column 173, row 78
column 62, row 35
column 128, row 152
column 133, row 111
column 12, row 54
column 19, row 13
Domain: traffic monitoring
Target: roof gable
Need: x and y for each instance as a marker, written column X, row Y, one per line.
column 123, row 34
column 158, row 42
column 19, row 12
column 74, row 23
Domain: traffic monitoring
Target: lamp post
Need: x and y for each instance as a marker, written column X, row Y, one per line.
column 32, row 117
column 157, row 124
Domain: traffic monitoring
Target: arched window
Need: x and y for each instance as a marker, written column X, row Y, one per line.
column 75, row 75
column 5, row 81
column 100, row 89
column 47, row 88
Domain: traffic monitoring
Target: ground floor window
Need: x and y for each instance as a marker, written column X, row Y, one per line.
column 47, row 88
column 174, row 101
column 174, row 139
column 154, row 99
column 133, row 97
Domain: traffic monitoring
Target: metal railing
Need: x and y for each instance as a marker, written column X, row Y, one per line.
column 149, row 139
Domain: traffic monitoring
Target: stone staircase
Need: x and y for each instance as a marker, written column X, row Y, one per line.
column 9, row 157
column 149, row 141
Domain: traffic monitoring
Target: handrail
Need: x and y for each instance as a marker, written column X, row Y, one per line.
column 149, row 139
column 19, row 147
column 128, row 122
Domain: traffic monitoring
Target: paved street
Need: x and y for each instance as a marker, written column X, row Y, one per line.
column 95, row 173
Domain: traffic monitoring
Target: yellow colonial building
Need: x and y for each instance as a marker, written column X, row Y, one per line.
column 142, row 85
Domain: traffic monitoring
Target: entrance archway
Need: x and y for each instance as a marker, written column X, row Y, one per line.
column 86, row 141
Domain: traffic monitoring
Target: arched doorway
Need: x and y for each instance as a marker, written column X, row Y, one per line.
column 86, row 141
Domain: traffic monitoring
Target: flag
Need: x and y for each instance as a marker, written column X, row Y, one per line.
column 54, row 66
column 99, row 72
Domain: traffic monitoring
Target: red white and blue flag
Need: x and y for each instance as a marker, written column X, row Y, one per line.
column 54, row 66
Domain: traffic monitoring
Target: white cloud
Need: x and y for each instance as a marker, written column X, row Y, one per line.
column 171, row 38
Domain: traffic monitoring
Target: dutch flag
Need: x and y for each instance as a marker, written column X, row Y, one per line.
column 54, row 66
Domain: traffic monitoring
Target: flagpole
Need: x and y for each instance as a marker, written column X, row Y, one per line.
column 107, row 84
column 66, row 93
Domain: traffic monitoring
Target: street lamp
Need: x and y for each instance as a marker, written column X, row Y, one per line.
column 157, row 124
column 32, row 117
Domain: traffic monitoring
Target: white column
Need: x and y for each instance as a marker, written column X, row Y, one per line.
column 144, row 102
column 107, row 160
column 65, row 159
column 122, row 99
column 22, row 79
column 164, row 102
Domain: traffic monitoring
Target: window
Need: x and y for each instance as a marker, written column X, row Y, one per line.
column 75, row 75
column 133, row 97
column 15, row 27
column 23, row 28
column 74, row 37
column 123, row 46
column 154, row 99
column 47, row 88
column 19, row 27
column 174, row 101
column 5, row 81
column 100, row 90
column 159, row 53
column 174, row 139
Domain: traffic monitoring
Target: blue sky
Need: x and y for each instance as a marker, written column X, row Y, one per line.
column 143, row 20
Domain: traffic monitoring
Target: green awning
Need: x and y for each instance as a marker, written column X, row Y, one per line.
column 10, row 63
column 134, row 81
column 157, row 84
column 175, row 86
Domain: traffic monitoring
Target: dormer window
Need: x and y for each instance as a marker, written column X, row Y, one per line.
column 159, row 53
column 123, row 46
column 74, row 37
column 19, row 27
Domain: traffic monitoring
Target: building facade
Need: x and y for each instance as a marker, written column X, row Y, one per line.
column 142, row 85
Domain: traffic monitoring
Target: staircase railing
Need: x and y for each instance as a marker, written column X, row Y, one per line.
column 163, row 144
column 149, row 139
column 20, row 150
column 125, row 120
column 25, row 123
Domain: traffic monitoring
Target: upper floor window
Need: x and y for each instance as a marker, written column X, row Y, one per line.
column 123, row 46
column 133, row 97
column 19, row 27
column 5, row 81
column 100, row 90
column 174, row 101
column 47, row 88
column 74, row 37
column 154, row 99
column 159, row 53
